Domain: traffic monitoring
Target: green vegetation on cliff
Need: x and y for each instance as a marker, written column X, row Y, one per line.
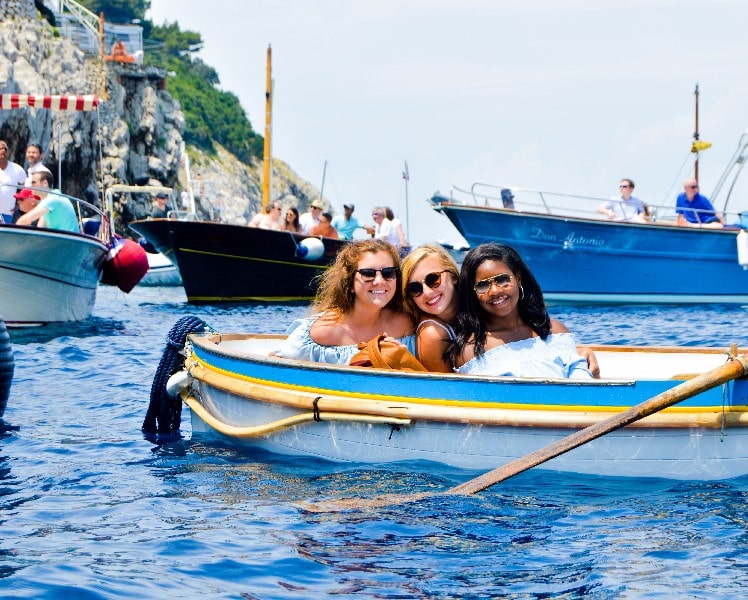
column 210, row 113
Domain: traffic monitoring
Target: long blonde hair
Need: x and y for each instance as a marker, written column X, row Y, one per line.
column 411, row 262
column 335, row 291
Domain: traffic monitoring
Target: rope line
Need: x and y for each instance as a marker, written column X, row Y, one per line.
column 165, row 413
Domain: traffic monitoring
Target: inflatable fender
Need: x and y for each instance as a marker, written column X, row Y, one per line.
column 310, row 249
column 126, row 265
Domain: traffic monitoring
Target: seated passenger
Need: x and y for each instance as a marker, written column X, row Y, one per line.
column 503, row 327
column 358, row 299
column 26, row 200
column 325, row 228
column 53, row 211
column 694, row 209
column 625, row 207
column 271, row 219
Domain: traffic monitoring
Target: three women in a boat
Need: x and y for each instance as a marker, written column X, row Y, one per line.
column 360, row 297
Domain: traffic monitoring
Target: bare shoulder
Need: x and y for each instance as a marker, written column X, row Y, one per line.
column 399, row 324
column 431, row 330
column 326, row 331
column 558, row 327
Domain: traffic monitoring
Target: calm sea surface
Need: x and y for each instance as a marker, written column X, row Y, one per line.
column 91, row 509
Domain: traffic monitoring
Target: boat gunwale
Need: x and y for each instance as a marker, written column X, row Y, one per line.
column 519, row 213
column 211, row 342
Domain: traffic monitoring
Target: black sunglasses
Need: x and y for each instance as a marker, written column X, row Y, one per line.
column 503, row 280
column 369, row 275
column 433, row 280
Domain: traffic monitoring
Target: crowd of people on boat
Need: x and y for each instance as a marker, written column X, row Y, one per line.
column 28, row 196
column 488, row 317
column 692, row 209
column 320, row 222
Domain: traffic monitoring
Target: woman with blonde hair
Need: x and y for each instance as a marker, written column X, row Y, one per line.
column 429, row 289
column 357, row 299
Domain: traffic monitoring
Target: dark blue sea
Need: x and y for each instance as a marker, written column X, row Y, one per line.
column 89, row 508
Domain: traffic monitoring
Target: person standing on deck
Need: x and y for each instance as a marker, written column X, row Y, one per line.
column 346, row 224
column 34, row 156
column 12, row 176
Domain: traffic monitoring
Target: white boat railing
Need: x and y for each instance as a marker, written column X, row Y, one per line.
column 518, row 199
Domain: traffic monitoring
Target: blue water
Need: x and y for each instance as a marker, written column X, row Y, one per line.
column 91, row 509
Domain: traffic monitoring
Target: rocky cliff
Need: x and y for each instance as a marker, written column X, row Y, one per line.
column 134, row 138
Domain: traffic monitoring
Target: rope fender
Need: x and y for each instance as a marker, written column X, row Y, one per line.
column 165, row 412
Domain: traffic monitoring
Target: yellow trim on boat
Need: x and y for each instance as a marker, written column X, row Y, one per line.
column 485, row 414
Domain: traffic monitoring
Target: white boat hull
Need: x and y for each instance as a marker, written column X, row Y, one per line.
column 161, row 272
column 694, row 454
column 47, row 276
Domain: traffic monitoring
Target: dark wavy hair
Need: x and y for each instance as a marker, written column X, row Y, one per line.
column 471, row 322
column 335, row 291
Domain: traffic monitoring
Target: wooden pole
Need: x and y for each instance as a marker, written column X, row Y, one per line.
column 267, row 149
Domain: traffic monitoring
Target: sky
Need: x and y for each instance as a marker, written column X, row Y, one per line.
column 565, row 96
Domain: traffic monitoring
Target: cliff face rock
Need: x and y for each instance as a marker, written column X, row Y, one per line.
column 135, row 138
column 229, row 190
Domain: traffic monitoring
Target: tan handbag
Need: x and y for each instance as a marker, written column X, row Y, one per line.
column 379, row 353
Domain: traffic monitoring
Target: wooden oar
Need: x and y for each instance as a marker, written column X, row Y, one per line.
column 733, row 369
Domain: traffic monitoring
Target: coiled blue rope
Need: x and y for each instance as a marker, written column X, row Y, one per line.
column 165, row 413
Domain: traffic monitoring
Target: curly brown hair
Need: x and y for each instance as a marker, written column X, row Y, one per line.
column 335, row 291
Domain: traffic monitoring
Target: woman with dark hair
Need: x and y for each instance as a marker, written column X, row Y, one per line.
column 291, row 220
column 503, row 326
column 358, row 298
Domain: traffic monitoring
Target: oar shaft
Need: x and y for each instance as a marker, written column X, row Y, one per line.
column 733, row 369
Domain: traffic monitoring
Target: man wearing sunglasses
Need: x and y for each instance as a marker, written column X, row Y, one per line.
column 624, row 207
column 693, row 209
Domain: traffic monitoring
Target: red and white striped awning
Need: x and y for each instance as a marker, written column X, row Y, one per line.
column 88, row 102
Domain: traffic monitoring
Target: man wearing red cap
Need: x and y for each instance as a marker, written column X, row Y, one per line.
column 25, row 201
column 54, row 211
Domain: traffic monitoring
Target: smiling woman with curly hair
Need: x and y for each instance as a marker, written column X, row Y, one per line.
column 358, row 298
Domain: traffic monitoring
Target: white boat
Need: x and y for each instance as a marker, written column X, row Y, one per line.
column 161, row 272
column 237, row 392
column 47, row 275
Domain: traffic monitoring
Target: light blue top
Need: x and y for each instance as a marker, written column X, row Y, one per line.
column 61, row 213
column 300, row 345
column 345, row 229
column 625, row 210
column 556, row 356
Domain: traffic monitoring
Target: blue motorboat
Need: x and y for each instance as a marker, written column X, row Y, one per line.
column 580, row 256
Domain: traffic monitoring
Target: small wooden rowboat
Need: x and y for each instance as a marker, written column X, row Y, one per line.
column 237, row 391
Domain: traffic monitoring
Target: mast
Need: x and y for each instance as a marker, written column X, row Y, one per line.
column 322, row 187
column 267, row 149
column 696, row 134
column 406, row 177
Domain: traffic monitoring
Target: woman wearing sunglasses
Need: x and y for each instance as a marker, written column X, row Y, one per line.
column 430, row 297
column 503, row 326
column 358, row 298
